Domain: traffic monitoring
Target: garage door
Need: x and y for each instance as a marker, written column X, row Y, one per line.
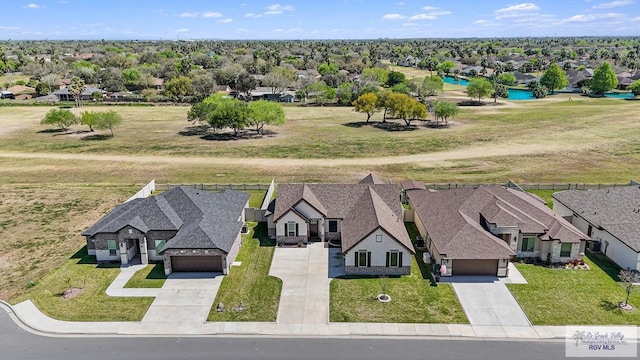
column 196, row 263
column 475, row 267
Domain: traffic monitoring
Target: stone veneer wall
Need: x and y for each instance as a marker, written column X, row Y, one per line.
column 377, row 270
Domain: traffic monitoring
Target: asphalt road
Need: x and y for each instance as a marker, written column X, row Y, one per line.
column 15, row 343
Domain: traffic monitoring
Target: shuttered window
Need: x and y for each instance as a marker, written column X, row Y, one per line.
column 111, row 245
column 394, row 259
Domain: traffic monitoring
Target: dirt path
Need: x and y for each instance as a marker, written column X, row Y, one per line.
column 422, row 159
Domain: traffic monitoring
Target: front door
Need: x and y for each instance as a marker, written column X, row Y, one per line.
column 313, row 230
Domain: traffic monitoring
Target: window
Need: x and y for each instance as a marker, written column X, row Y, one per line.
column 565, row 250
column 292, row 228
column 394, row 259
column 333, row 226
column 378, row 238
column 362, row 258
column 528, row 242
column 160, row 245
column 111, row 245
column 589, row 230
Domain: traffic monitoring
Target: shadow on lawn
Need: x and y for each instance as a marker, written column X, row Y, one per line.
column 609, row 267
column 85, row 259
column 261, row 233
column 52, row 131
column 204, row 132
column 386, row 126
column 157, row 273
column 96, row 137
column 609, row 306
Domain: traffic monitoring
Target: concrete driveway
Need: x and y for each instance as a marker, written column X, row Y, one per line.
column 487, row 301
column 305, row 274
column 184, row 298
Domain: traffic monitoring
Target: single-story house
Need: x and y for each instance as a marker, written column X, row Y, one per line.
column 477, row 230
column 22, row 92
column 365, row 218
column 65, row 95
column 611, row 217
column 188, row 229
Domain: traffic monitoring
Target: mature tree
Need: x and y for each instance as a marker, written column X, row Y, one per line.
column 89, row 118
column 405, row 107
column 76, row 88
column 328, row 69
column 446, row 66
column 199, row 112
column 395, row 77
column 367, row 104
column 203, row 84
column 52, row 80
column 231, row 113
column 179, row 87
column 131, row 76
column 263, row 113
column 321, row 92
column 112, row 79
column 402, row 87
column 507, row 78
column 500, row 91
column 479, row 88
column 628, row 278
column 345, row 93
column 445, row 110
column 228, row 74
column 430, row 64
column 60, row 117
column 604, row 79
column 277, row 81
column 377, row 74
column 427, row 86
column 43, row 89
column 635, row 87
column 246, row 84
column 108, row 120
column 554, row 78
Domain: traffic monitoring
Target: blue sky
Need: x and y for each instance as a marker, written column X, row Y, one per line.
column 321, row 19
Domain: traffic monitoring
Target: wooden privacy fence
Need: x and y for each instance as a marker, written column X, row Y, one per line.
column 536, row 186
column 215, row 187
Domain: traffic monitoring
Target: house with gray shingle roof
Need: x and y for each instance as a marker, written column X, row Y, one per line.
column 188, row 229
column 611, row 217
column 366, row 219
column 477, row 230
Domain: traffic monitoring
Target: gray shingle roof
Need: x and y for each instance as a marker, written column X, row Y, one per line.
column 452, row 219
column 201, row 218
column 615, row 210
column 369, row 213
column 371, row 179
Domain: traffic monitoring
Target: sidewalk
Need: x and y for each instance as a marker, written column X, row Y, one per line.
column 30, row 316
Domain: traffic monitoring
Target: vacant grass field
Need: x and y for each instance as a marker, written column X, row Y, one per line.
column 413, row 299
column 152, row 276
column 249, row 284
column 92, row 304
column 575, row 297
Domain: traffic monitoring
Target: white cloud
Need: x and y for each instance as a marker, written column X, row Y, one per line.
column 480, row 22
column 211, row 14
column 439, row 13
column 273, row 12
column 581, row 18
column 10, row 28
column 518, row 8
column 280, row 8
column 400, row 3
column 429, row 8
column 410, row 24
column 636, row 19
column 252, row 15
column 225, row 21
column 393, row 17
column 422, row 17
column 189, row 14
column 183, row 30
column 613, row 4
column 33, row 6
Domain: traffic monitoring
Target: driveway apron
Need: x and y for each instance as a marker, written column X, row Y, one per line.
column 305, row 283
column 489, row 303
column 184, row 298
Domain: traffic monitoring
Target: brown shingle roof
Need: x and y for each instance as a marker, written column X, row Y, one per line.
column 369, row 213
column 452, row 219
column 412, row 185
column 371, row 179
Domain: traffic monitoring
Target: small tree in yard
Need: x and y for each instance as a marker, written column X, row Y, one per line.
column 60, row 117
column 89, row 118
column 263, row 113
column 554, row 78
column 628, row 278
column 635, row 88
column 405, row 107
column 367, row 104
column 540, row 91
column 604, row 79
column 108, row 120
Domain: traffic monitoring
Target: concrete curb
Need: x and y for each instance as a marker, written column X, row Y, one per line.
column 56, row 328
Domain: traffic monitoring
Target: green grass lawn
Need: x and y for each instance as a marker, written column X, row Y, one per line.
column 545, row 195
column 92, row 304
column 414, row 300
column 256, row 197
column 152, row 276
column 575, row 297
column 250, row 283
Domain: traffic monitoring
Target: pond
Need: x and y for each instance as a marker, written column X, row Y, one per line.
column 518, row 94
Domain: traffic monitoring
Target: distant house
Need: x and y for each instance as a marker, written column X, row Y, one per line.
column 409, row 61
column 188, row 229
column 365, row 218
column 575, row 77
column 84, row 56
column 611, row 218
column 476, row 231
column 157, row 83
column 4, row 94
column 65, row 95
column 22, row 92
column 266, row 93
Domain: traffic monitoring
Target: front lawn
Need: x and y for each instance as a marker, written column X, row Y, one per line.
column 250, row 283
column 152, row 276
column 575, row 297
column 414, row 300
column 92, row 303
